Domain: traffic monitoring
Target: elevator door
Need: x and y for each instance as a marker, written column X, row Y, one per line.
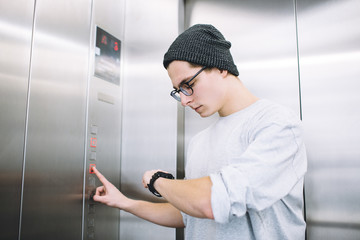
column 15, row 47
column 54, row 160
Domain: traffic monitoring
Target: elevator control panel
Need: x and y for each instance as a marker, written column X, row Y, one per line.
column 103, row 135
column 91, row 184
column 107, row 56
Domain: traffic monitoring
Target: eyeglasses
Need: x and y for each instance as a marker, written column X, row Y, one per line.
column 185, row 88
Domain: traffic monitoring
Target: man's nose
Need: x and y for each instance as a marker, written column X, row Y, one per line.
column 185, row 100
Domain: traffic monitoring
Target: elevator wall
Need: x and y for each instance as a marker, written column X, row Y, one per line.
column 329, row 44
column 305, row 55
column 149, row 114
column 263, row 38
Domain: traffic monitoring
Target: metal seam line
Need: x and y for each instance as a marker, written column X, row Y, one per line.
column 27, row 120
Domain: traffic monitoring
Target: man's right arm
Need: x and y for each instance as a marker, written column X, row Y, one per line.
column 163, row 214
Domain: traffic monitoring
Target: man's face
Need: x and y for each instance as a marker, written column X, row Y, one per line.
column 208, row 88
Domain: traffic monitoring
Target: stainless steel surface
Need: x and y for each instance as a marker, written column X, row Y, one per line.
column 15, row 46
column 52, row 198
column 263, row 37
column 45, row 68
column 149, row 113
column 68, row 106
column 329, row 37
column 104, row 125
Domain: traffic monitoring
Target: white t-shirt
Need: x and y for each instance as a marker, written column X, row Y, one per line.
column 256, row 160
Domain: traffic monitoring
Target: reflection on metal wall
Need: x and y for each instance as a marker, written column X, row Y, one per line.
column 263, row 34
column 149, row 113
column 15, row 44
column 53, row 173
column 329, row 38
column 263, row 40
column 57, row 118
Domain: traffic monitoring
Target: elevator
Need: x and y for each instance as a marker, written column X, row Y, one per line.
column 82, row 84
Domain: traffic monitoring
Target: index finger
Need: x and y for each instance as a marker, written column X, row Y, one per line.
column 102, row 179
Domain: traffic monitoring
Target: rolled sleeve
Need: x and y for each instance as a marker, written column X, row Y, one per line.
column 224, row 201
column 262, row 175
column 220, row 202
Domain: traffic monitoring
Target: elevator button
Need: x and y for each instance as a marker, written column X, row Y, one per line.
column 93, row 156
column 93, row 129
column 93, row 142
column 91, row 222
column 91, row 170
column 91, row 208
column 92, row 194
column 91, row 233
column 91, row 181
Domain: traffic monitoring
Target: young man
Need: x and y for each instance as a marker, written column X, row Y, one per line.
column 244, row 174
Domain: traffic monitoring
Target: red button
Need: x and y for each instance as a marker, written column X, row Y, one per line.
column 91, row 170
column 93, row 142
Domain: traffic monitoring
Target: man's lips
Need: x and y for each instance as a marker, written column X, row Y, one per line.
column 196, row 108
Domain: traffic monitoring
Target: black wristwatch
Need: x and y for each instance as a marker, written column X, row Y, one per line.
column 153, row 179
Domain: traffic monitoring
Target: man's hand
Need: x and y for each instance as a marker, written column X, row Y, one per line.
column 160, row 213
column 148, row 175
column 109, row 194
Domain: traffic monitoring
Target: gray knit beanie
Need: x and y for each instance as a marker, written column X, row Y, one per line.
column 204, row 45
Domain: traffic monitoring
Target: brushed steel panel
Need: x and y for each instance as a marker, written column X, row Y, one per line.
column 104, row 124
column 329, row 37
column 16, row 20
column 149, row 113
column 53, row 180
column 332, row 232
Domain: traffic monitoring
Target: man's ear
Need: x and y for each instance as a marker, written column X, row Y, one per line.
column 223, row 72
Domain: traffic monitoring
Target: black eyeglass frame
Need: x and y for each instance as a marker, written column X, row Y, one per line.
column 185, row 92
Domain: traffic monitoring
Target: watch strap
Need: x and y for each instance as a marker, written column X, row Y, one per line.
column 154, row 178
